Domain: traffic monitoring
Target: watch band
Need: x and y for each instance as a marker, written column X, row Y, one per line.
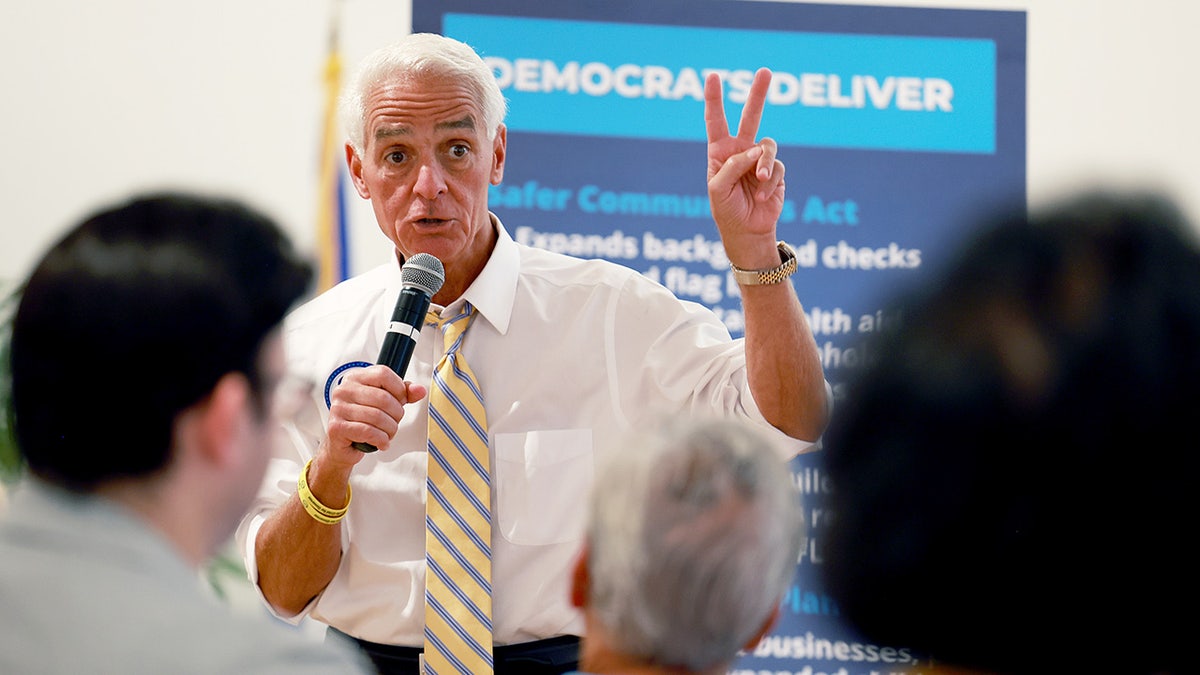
column 787, row 268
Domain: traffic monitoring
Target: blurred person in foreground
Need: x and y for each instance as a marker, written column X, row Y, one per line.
column 1015, row 472
column 692, row 541
column 146, row 362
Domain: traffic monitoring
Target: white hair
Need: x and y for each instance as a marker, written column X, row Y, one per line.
column 694, row 536
column 416, row 56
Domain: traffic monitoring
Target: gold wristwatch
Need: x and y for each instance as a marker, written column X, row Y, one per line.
column 787, row 268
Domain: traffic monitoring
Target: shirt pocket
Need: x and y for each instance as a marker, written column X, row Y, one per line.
column 543, row 480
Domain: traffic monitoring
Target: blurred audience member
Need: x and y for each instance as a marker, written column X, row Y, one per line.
column 145, row 361
column 1014, row 470
column 692, row 541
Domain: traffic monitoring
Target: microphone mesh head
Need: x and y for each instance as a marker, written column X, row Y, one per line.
column 423, row 271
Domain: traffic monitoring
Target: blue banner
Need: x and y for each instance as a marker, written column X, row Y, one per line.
column 647, row 81
column 899, row 128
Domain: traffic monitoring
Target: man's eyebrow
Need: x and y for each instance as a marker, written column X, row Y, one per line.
column 388, row 132
column 467, row 122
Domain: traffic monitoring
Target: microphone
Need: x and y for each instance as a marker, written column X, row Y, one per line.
column 421, row 277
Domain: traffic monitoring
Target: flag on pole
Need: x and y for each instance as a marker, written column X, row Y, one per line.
column 331, row 203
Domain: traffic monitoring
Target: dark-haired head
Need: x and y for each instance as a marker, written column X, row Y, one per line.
column 133, row 317
column 1014, row 473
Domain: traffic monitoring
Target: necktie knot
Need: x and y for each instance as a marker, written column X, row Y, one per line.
column 452, row 327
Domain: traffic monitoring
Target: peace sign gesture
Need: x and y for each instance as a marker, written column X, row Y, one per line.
column 745, row 181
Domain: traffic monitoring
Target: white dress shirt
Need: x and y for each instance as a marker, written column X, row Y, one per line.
column 570, row 354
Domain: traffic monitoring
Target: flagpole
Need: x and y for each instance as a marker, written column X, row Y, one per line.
column 330, row 217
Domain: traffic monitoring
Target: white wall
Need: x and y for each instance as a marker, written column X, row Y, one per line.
column 100, row 98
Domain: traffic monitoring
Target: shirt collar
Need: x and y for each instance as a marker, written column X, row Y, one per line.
column 495, row 289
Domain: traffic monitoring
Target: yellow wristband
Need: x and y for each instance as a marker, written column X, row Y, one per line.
column 318, row 511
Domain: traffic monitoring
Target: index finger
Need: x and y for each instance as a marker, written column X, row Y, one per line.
column 714, row 109
column 753, row 108
column 374, row 377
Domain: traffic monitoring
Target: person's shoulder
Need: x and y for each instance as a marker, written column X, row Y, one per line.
column 259, row 644
column 348, row 296
column 570, row 279
column 567, row 269
column 160, row 630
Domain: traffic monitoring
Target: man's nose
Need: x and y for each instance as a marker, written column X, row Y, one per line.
column 430, row 181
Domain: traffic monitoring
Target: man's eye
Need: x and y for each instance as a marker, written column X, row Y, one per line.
column 459, row 150
column 395, row 157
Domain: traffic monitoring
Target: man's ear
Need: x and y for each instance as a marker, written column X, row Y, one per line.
column 355, row 167
column 580, row 580
column 768, row 625
column 499, row 150
column 221, row 418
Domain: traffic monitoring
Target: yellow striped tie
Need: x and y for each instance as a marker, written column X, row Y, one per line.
column 458, row 520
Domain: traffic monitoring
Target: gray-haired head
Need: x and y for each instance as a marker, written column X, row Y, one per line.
column 693, row 538
column 418, row 56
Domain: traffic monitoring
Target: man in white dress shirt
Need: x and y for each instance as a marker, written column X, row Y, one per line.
column 569, row 353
